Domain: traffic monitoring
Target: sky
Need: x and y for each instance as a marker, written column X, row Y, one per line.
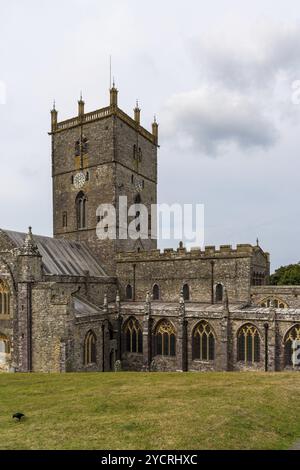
column 223, row 78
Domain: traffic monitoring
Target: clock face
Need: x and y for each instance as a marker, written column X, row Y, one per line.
column 79, row 180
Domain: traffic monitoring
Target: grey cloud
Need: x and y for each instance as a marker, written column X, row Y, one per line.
column 253, row 63
column 210, row 120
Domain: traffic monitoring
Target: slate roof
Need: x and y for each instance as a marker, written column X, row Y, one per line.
column 62, row 257
column 82, row 307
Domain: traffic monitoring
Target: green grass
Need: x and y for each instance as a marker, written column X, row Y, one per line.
column 150, row 411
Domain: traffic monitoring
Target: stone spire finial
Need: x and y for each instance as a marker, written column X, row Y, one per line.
column 29, row 246
column 53, row 117
column 113, row 95
column 137, row 113
column 80, row 105
column 155, row 130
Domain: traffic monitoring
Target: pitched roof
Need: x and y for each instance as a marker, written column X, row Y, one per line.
column 62, row 257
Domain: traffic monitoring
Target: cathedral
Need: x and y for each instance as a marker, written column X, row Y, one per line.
column 75, row 302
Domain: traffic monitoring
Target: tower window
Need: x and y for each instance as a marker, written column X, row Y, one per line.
column 186, row 292
column 156, row 292
column 87, row 176
column 219, row 293
column 81, row 202
column 81, row 146
column 129, row 292
column 72, row 179
column 65, row 219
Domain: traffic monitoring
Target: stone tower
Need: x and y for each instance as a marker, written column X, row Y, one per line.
column 96, row 158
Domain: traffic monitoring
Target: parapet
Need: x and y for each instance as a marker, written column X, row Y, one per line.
column 208, row 252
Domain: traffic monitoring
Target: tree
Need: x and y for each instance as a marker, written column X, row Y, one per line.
column 286, row 276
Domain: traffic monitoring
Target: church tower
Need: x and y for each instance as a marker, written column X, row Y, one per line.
column 96, row 158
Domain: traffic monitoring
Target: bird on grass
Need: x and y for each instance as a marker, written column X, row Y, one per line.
column 18, row 416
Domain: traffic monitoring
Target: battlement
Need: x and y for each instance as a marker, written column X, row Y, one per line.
column 112, row 110
column 224, row 251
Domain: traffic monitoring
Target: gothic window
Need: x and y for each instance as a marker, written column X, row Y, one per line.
column 219, row 293
column 81, row 203
column 273, row 302
column 133, row 336
column 4, row 299
column 248, row 344
column 155, row 292
column 292, row 335
column 165, row 339
column 186, row 292
column 129, row 292
column 90, row 348
column 87, row 176
column 65, row 219
column 203, row 342
column 4, row 349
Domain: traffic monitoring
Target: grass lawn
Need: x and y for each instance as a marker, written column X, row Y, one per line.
column 150, row 411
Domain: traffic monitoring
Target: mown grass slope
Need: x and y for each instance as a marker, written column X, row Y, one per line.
column 150, row 411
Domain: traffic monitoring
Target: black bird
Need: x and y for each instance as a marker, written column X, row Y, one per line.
column 18, row 416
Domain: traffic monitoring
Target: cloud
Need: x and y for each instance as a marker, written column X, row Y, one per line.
column 243, row 91
column 210, row 120
column 255, row 59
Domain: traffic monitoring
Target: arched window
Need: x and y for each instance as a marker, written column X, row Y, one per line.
column 219, row 293
column 133, row 336
column 155, row 292
column 186, row 292
column 129, row 292
column 90, row 348
column 4, row 299
column 81, row 210
column 165, row 339
column 273, row 302
column 203, row 342
column 248, row 343
column 292, row 335
column 4, row 349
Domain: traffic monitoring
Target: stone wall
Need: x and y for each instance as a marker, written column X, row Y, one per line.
column 171, row 269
